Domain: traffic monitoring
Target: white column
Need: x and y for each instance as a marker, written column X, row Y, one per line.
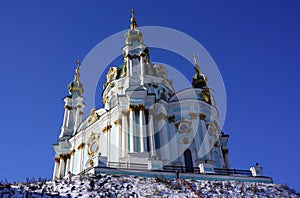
column 127, row 66
column 173, row 142
column 226, row 158
column 80, row 157
column 142, row 70
column 61, row 172
column 151, row 133
column 164, row 138
column 130, row 67
column 124, row 133
column 205, row 146
column 142, row 128
column 56, row 168
column 67, row 164
column 195, row 127
column 65, row 117
column 132, row 128
column 71, row 161
column 118, row 141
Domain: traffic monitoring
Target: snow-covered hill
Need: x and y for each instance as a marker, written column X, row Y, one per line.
column 124, row 186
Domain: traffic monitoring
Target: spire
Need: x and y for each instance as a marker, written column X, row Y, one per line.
column 132, row 20
column 133, row 37
column 75, row 87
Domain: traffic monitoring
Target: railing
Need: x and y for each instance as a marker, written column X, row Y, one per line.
column 127, row 165
column 181, row 169
column 232, row 172
column 178, row 169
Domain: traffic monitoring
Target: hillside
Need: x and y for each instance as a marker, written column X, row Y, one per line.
column 123, row 186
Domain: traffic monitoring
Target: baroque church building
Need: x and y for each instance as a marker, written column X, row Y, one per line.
column 144, row 123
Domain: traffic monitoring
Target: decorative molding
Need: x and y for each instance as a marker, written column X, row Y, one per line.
column 112, row 84
column 93, row 145
column 64, row 156
column 205, row 95
column 105, row 99
column 91, row 162
column 107, row 128
column 57, row 159
column 133, row 107
column 141, row 107
column 72, row 152
column 117, row 121
column 93, row 117
column 68, row 107
column 81, row 146
column 185, row 140
column 184, row 125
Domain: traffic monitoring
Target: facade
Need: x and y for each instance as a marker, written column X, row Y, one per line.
column 144, row 122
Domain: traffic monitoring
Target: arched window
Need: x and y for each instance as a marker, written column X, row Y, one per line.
column 188, row 161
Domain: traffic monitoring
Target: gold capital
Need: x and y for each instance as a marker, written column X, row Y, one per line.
column 193, row 115
column 141, row 107
column 202, row 116
column 171, row 118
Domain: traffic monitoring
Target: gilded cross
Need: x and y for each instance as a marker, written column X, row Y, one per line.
column 195, row 60
column 132, row 12
column 78, row 64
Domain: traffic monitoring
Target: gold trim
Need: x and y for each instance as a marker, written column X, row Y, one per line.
column 72, row 152
column 105, row 99
column 57, row 159
column 141, row 107
column 64, row 156
column 107, row 128
column 68, row 107
column 133, row 107
column 91, row 162
column 117, row 122
column 93, row 117
column 81, row 146
column 111, row 84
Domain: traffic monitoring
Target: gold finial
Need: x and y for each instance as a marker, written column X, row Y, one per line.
column 133, row 21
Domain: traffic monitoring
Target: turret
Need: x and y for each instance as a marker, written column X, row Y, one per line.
column 73, row 106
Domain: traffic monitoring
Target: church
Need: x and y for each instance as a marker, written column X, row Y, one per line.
column 144, row 123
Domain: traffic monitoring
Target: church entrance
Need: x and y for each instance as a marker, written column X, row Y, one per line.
column 188, row 161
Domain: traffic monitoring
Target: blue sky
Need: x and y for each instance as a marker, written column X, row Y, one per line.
column 255, row 44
